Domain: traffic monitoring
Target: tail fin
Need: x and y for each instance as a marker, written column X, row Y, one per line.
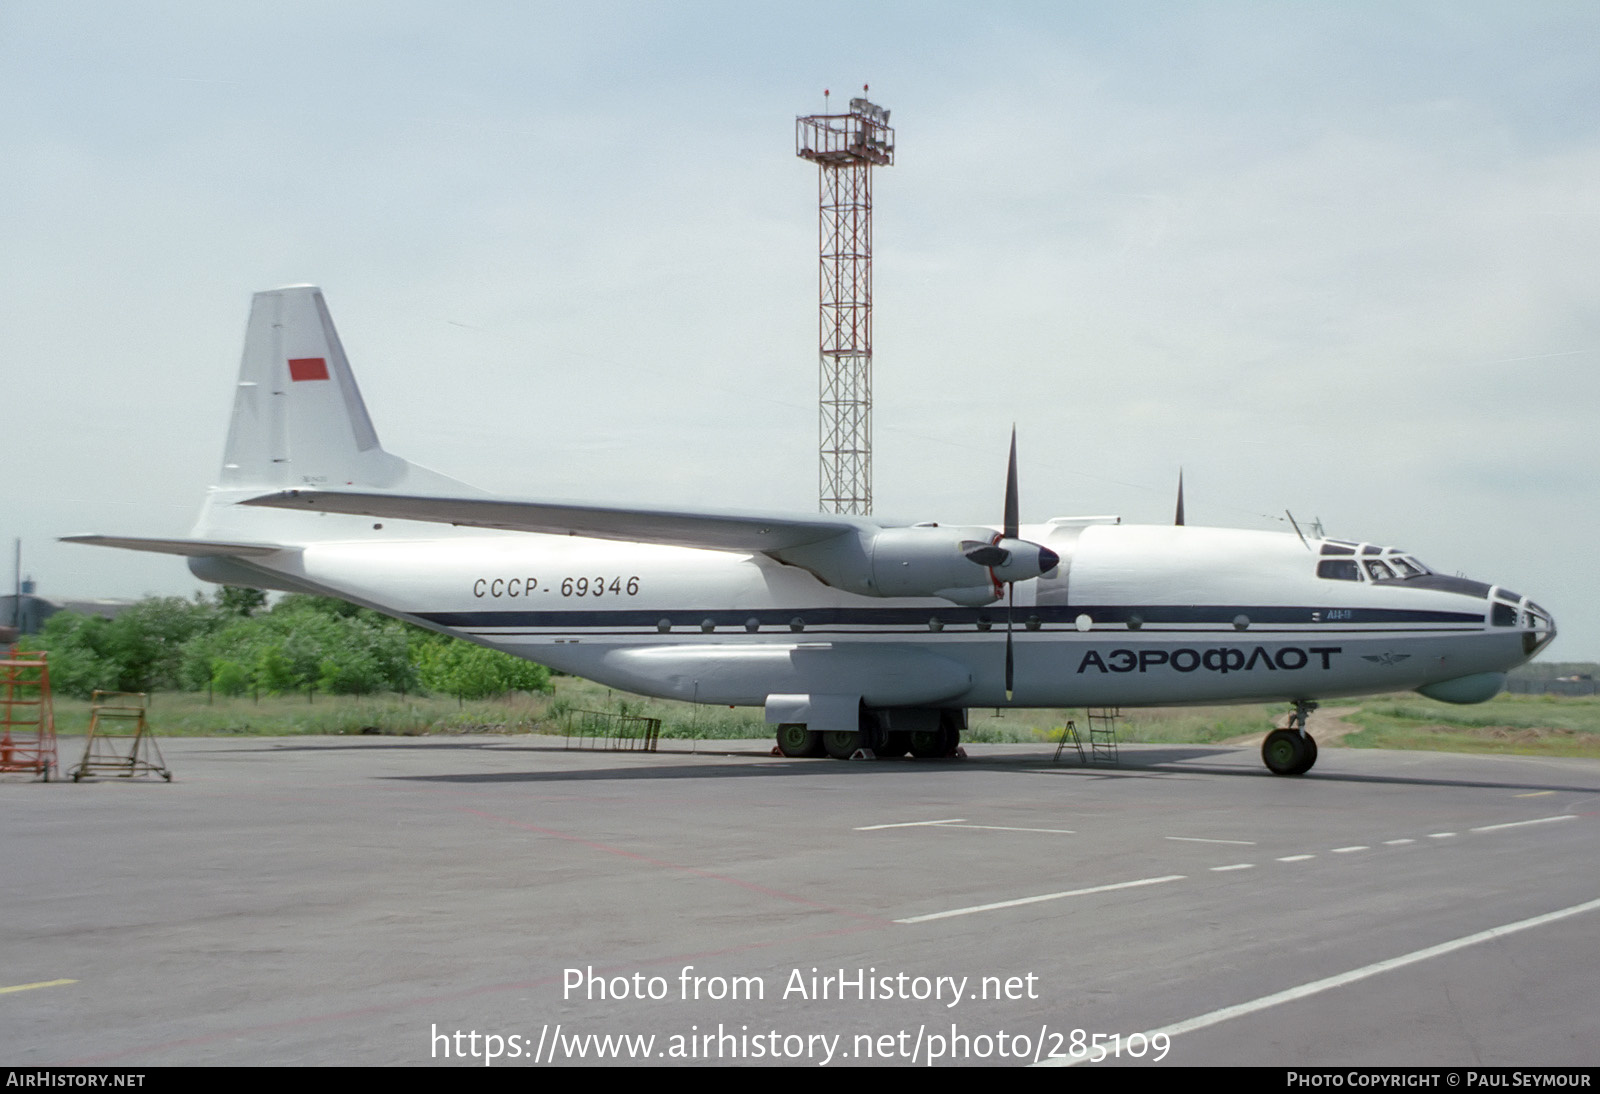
column 299, row 420
column 298, row 417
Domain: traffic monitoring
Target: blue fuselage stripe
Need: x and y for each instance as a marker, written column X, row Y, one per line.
column 1052, row 615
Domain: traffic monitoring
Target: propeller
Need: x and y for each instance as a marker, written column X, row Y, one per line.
column 1011, row 559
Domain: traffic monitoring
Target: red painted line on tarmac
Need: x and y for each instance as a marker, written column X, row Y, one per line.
column 777, row 894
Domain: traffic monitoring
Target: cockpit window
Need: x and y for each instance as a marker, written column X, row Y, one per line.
column 1368, row 562
column 1505, row 615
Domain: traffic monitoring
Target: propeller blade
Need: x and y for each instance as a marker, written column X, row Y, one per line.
column 1010, row 668
column 1178, row 520
column 1012, row 515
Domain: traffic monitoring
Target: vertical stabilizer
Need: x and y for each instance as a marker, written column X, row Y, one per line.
column 299, row 420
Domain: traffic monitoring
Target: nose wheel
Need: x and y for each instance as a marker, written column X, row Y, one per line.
column 1291, row 751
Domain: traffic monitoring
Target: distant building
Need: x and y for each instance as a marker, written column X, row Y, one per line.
column 28, row 617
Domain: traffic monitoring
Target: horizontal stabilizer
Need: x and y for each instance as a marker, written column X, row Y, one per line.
column 194, row 548
column 717, row 530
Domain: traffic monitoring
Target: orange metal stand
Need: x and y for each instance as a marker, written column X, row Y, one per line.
column 27, row 721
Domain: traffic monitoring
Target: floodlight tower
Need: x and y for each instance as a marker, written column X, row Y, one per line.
column 845, row 148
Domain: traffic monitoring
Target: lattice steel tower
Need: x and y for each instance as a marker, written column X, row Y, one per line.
column 845, row 148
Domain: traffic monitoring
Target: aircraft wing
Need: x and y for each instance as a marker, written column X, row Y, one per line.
column 194, row 548
column 727, row 530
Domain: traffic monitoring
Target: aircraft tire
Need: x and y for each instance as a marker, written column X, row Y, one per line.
column 1311, row 755
column 928, row 744
column 895, row 744
column 841, row 744
column 798, row 742
column 1287, row 752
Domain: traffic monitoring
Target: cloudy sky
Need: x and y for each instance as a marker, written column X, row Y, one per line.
column 1341, row 259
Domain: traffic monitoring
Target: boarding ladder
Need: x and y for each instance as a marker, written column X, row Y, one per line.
column 1103, row 734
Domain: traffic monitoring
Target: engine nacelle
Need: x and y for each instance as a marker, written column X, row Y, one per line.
column 931, row 561
column 965, row 565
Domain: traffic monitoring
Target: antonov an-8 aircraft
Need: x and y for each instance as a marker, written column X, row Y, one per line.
column 853, row 632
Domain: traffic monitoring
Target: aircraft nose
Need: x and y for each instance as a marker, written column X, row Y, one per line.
column 1540, row 630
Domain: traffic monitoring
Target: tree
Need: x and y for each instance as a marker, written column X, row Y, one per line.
column 467, row 671
column 238, row 600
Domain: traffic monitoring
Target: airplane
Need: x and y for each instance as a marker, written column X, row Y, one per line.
column 856, row 635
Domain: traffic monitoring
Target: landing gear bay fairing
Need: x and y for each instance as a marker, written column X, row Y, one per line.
column 850, row 631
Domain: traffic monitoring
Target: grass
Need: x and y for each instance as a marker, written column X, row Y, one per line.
column 194, row 714
column 1525, row 725
column 1156, row 725
column 1518, row 724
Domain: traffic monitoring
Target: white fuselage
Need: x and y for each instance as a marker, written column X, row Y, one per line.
column 1134, row 615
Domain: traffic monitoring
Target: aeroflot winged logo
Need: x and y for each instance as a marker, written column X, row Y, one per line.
column 308, row 368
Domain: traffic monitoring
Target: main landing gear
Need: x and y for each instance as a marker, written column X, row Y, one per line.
column 937, row 737
column 1291, row 751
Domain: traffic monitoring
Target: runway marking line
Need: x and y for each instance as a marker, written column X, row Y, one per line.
column 1347, row 850
column 1005, row 828
column 911, row 824
column 1521, row 824
column 952, row 913
column 1534, row 794
column 40, row 984
column 1397, row 842
column 1441, row 835
column 1235, row 866
column 1197, row 839
column 1295, row 858
column 961, row 822
column 1290, row 995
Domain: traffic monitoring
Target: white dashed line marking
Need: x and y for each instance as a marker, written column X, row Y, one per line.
column 1347, row 850
column 1397, row 842
column 1235, row 866
column 1197, row 839
column 1440, row 835
column 1296, row 858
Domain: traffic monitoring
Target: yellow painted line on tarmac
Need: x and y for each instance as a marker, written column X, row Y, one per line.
column 40, row 984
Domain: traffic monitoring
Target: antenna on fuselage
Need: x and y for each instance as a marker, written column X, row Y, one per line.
column 1178, row 517
column 1297, row 530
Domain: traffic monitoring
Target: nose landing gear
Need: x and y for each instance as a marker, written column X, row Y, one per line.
column 1291, row 751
